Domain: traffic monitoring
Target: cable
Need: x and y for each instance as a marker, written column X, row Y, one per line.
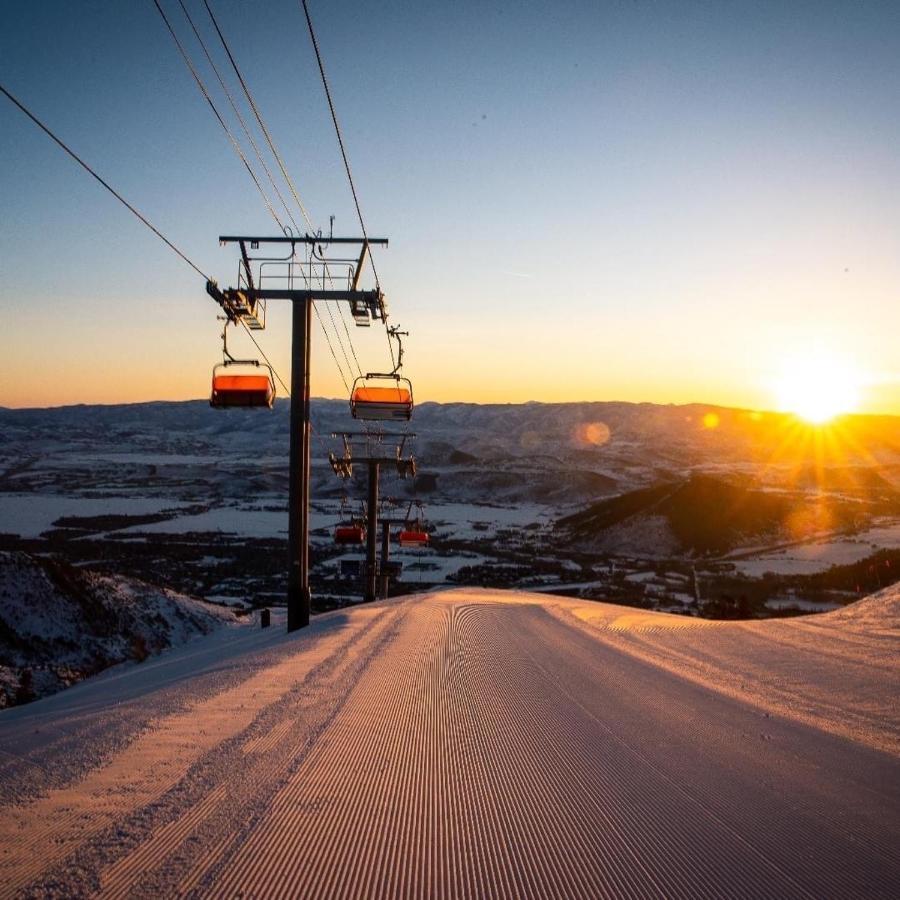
column 249, row 169
column 212, row 106
column 337, row 129
column 240, row 118
column 259, row 118
column 330, row 347
column 287, row 178
column 287, row 392
column 343, row 316
column 293, row 190
column 262, row 353
column 337, row 333
column 105, row 184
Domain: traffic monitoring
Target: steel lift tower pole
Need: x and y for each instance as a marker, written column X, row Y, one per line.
column 247, row 303
column 373, row 458
column 299, row 598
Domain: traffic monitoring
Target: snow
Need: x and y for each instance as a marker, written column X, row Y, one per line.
column 471, row 521
column 471, row 743
column 60, row 624
column 818, row 556
column 797, row 603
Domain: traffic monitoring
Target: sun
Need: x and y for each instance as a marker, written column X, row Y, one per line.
column 817, row 386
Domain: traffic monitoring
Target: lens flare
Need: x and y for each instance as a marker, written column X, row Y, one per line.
column 592, row 433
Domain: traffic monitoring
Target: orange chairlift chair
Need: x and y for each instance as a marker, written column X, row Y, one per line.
column 413, row 533
column 252, row 385
column 379, row 397
column 350, row 528
column 349, row 533
column 231, row 390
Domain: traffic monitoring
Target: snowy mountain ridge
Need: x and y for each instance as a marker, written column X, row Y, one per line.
column 60, row 624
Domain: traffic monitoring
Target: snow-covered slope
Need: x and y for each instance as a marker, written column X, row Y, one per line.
column 469, row 744
column 59, row 624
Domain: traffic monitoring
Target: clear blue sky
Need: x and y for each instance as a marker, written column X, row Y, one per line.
column 585, row 200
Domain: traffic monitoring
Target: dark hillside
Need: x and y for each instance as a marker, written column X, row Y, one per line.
column 713, row 515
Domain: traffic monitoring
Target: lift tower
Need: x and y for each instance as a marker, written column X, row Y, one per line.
column 302, row 281
column 369, row 448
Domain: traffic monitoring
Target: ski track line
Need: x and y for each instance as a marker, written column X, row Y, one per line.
column 871, row 834
column 34, row 837
column 697, row 810
column 165, row 862
column 715, row 673
column 436, row 782
column 473, row 744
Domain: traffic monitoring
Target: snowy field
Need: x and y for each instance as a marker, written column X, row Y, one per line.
column 818, row 556
column 30, row 515
column 469, row 744
column 469, row 521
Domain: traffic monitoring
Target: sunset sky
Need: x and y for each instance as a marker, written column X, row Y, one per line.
column 585, row 201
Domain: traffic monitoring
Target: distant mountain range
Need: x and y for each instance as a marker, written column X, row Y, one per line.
column 559, row 454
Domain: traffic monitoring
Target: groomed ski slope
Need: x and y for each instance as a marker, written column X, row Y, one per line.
column 472, row 744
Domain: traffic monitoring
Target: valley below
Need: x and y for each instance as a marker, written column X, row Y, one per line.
column 693, row 509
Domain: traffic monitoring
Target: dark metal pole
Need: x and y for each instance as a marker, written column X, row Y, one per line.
column 385, row 556
column 372, row 532
column 298, row 497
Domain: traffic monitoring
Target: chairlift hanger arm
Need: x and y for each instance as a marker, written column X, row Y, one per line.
column 248, row 272
column 359, row 265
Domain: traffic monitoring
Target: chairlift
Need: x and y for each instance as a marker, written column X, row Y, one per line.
column 350, row 528
column 350, row 533
column 242, row 389
column 373, row 399
column 240, row 382
column 413, row 538
column 413, row 533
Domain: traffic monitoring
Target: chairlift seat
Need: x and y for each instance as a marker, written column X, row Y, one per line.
column 376, row 403
column 349, row 534
column 242, row 390
column 410, row 538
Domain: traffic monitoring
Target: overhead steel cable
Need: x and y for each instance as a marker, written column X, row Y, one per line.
column 331, row 349
column 288, row 180
column 212, row 106
column 337, row 128
column 259, row 118
column 287, row 391
column 262, row 353
column 105, row 184
column 340, row 307
column 340, row 138
column 240, row 118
